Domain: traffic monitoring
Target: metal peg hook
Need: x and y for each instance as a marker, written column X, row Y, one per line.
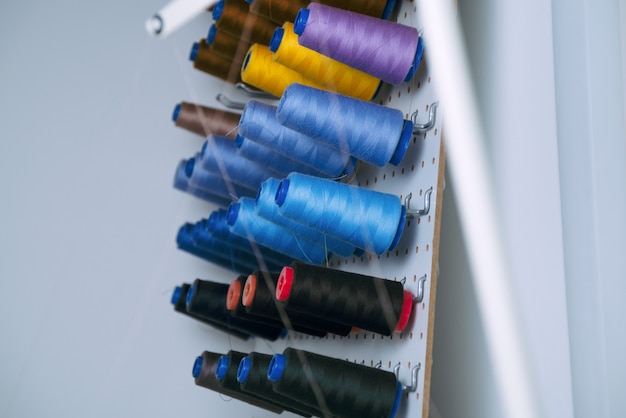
column 420, row 289
column 418, row 212
column 252, row 92
column 418, row 127
column 229, row 103
column 414, row 374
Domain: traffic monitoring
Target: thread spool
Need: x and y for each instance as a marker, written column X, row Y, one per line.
column 265, row 206
column 203, row 120
column 274, row 161
column 216, row 226
column 219, row 155
column 364, row 302
column 258, row 123
column 178, row 301
column 258, row 299
column 260, row 71
column 281, row 11
column 208, row 300
column 203, row 372
column 184, row 241
column 213, row 182
column 387, row 50
column 225, row 44
column 243, row 221
column 365, row 218
column 348, row 389
column 368, row 131
column 214, row 64
column 181, row 183
column 252, row 378
column 235, row 18
column 334, row 75
column 376, row 8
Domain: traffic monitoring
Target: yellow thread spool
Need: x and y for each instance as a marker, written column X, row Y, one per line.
column 336, row 76
column 261, row 71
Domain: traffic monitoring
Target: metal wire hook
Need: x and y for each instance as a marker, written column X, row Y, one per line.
column 420, row 289
column 252, row 92
column 229, row 103
column 418, row 127
column 414, row 374
column 418, row 212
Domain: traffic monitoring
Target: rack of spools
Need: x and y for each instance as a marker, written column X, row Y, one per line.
column 325, row 195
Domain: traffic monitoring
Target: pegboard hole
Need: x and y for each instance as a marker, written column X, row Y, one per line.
column 433, row 160
column 435, row 131
column 428, row 218
column 423, row 305
column 412, row 167
column 375, row 179
column 410, row 336
column 403, row 170
column 428, row 80
column 422, row 167
column 427, row 247
column 419, row 84
column 421, row 335
column 417, row 249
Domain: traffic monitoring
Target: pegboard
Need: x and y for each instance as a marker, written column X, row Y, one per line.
column 414, row 258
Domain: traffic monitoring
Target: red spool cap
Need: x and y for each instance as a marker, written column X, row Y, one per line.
column 405, row 313
column 232, row 298
column 249, row 290
column 285, row 281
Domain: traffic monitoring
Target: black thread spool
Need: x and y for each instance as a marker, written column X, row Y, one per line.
column 252, row 378
column 214, row 64
column 226, row 374
column 258, row 298
column 365, row 302
column 208, row 300
column 345, row 389
column 204, row 375
column 179, row 297
column 235, row 18
column 236, row 308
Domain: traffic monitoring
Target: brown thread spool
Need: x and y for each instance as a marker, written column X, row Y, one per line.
column 373, row 8
column 249, row 27
column 227, row 45
column 203, row 120
column 216, row 65
column 281, row 11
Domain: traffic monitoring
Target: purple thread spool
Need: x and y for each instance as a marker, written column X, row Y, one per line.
column 387, row 50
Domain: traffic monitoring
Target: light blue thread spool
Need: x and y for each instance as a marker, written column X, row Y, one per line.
column 244, row 222
column 211, row 182
column 366, row 218
column 266, row 207
column 258, row 123
column 181, row 183
column 371, row 132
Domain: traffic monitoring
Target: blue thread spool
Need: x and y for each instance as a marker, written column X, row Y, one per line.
column 213, row 182
column 258, row 123
column 368, row 219
column 181, row 183
column 244, row 222
column 368, row 131
column 274, row 161
column 266, row 207
column 219, row 155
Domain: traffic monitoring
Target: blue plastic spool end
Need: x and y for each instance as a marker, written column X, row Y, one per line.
column 190, row 293
column 249, row 1
column 191, row 163
column 350, row 166
column 176, row 112
column 217, row 10
column 246, row 61
column 281, row 192
column 388, row 9
column 396, row 404
column 380, row 86
column 233, row 213
column 416, row 61
column 239, row 141
column 401, row 223
column 403, row 143
column 244, row 369
column 222, row 368
column 184, row 235
column 197, row 367
column 277, row 38
column 176, row 295
column 194, row 51
column 276, row 368
column 210, row 37
column 300, row 21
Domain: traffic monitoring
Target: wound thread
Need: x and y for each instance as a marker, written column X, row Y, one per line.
column 281, row 11
column 386, row 50
column 265, row 206
column 181, row 183
column 237, row 20
column 260, row 71
column 368, row 219
column 204, row 368
column 204, row 121
column 334, row 75
column 258, row 123
column 361, row 301
column 368, row 131
column 213, row 183
column 346, row 389
column 243, row 221
column 216, row 65
column 226, row 44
